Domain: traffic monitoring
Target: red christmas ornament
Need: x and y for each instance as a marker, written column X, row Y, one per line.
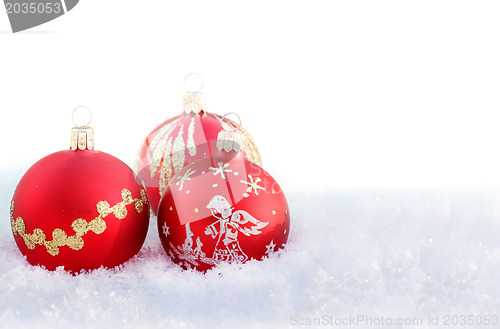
column 222, row 208
column 80, row 208
column 182, row 140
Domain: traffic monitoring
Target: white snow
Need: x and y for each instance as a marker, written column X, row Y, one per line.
column 392, row 253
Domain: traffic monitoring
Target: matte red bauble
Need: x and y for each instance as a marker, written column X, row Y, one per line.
column 180, row 141
column 80, row 208
column 222, row 208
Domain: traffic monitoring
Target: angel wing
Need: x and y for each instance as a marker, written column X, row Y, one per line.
column 247, row 224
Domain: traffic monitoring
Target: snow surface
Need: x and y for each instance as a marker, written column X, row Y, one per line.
column 373, row 252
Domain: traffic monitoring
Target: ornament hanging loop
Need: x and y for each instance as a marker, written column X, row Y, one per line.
column 228, row 140
column 193, row 82
column 194, row 100
column 239, row 119
column 82, row 136
column 89, row 115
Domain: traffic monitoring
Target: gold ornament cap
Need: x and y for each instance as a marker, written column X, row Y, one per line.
column 82, row 137
column 228, row 140
column 194, row 100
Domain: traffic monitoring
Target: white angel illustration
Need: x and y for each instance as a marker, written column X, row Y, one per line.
column 227, row 227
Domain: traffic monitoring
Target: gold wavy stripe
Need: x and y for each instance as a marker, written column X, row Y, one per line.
column 80, row 225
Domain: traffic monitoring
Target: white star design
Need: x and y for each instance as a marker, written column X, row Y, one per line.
column 270, row 248
column 253, row 185
column 185, row 177
column 221, row 170
column 166, row 229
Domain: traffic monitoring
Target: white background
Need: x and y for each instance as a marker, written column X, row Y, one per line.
column 335, row 93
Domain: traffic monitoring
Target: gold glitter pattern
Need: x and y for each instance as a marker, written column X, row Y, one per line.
column 157, row 156
column 80, row 225
column 179, row 156
column 166, row 169
column 191, row 146
column 168, row 150
column 157, row 145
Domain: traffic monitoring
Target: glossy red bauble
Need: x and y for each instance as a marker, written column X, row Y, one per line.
column 178, row 142
column 222, row 209
column 79, row 209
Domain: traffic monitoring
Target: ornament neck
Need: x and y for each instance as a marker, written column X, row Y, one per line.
column 224, row 156
column 194, row 103
column 82, row 138
column 229, row 141
column 228, row 145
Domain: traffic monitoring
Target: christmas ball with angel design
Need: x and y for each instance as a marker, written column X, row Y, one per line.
column 223, row 208
column 79, row 208
column 182, row 140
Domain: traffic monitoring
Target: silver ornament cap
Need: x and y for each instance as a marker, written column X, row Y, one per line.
column 229, row 141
